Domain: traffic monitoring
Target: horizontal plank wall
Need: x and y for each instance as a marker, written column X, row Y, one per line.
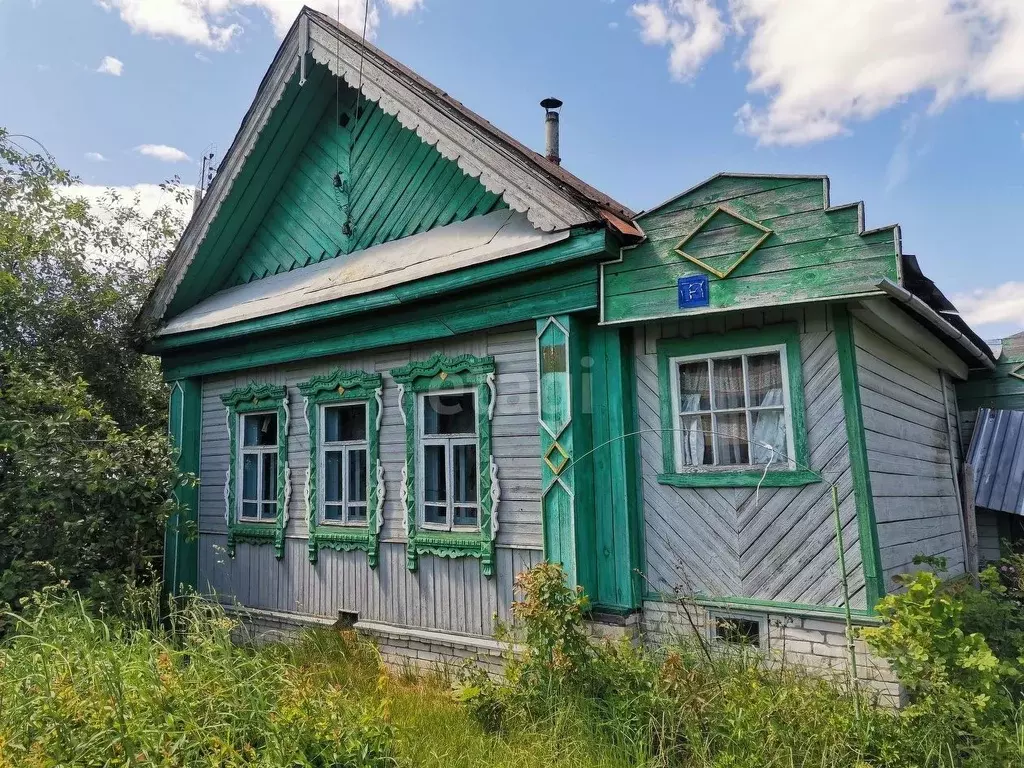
column 1001, row 389
column 778, row 544
column 908, row 436
column 451, row 595
column 760, row 241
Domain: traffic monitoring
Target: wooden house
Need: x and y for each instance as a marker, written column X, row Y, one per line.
column 410, row 357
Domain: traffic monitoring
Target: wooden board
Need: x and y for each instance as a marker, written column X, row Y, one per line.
column 814, row 252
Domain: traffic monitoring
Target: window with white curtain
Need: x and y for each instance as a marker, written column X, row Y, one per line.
column 449, row 468
column 732, row 409
column 343, row 465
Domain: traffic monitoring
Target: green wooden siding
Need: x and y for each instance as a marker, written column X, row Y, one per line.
column 184, row 423
column 997, row 388
column 813, row 253
column 617, row 533
column 284, row 210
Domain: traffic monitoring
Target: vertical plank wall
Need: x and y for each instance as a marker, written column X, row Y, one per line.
column 777, row 544
column 444, row 594
column 907, row 429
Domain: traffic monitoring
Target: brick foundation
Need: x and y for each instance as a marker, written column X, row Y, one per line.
column 817, row 644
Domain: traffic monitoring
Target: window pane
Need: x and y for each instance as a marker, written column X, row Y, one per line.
column 250, row 510
column 728, row 383
column 769, row 429
column 764, row 377
column 332, row 475
column 466, row 516
column 332, row 512
column 449, row 414
column 345, row 422
column 435, row 515
column 693, row 387
column 731, row 438
column 434, row 474
column 250, row 475
column 357, row 475
column 356, row 513
column 259, row 429
column 464, row 470
column 695, row 441
column 268, row 490
column 269, row 510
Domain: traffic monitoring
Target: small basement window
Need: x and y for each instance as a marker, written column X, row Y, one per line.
column 737, row 630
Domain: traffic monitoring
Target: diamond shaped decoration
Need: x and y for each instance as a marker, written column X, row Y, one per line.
column 1018, row 372
column 723, row 273
column 563, row 456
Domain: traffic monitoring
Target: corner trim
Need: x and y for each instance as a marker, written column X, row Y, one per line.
column 871, row 557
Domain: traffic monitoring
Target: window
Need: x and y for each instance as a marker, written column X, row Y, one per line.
column 343, row 464
column 731, row 409
column 345, row 486
column 256, row 487
column 450, row 488
column 258, row 500
column 448, row 455
column 737, row 630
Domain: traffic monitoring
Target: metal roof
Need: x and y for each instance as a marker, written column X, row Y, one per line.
column 478, row 240
column 997, row 455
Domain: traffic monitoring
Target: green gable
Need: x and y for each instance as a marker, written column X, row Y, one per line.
column 286, row 210
column 760, row 240
column 1001, row 388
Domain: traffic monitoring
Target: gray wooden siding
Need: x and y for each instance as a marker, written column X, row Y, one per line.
column 342, row 580
column 909, row 421
column 446, row 595
column 778, row 544
column 988, row 536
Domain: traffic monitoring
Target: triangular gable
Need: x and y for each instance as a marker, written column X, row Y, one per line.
column 278, row 127
column 737, row 241
column 393, row 185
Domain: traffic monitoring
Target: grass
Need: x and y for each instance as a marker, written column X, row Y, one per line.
column 78, row 692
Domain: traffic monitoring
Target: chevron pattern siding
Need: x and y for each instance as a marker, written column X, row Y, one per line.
column 776, row 544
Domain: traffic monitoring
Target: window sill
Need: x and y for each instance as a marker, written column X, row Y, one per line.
column 743, row 478
column 424, row 541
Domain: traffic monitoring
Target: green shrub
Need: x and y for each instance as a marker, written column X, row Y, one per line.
column 76, row 691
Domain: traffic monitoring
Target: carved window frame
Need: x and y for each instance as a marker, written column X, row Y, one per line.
column 440, row 374
column 256, row 398
column 337, row 388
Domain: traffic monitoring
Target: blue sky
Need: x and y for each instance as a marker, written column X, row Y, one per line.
column 914, row 106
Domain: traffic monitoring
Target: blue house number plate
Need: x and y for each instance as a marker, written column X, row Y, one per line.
column 693, row 291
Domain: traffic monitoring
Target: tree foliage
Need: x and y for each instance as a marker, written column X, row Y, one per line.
column 86, row 469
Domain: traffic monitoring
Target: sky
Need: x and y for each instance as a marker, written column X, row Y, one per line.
column 915, row 107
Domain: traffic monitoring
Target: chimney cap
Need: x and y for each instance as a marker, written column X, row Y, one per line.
column 551, row 103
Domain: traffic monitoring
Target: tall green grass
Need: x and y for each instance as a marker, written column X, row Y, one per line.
column 79, row 691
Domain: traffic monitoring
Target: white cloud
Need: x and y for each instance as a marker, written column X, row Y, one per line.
column 151, row 196
column 110, row 66
column 95, row 157
column 898, row 169
column 215, row 23
column 1000, row 309
column 815, row 67
column 163, row 152
column 692, row 29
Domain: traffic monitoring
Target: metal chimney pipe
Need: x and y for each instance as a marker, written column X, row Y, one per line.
column 551, row 106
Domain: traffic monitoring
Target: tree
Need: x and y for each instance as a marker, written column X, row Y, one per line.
column 86, row 469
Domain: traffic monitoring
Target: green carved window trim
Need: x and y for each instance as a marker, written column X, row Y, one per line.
column 257, row 398
column 345, row 387
column 437, row 374
column 799, row 472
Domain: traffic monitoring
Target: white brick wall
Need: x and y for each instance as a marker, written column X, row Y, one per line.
column 817, row 644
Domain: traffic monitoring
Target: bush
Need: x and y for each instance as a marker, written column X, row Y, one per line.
column 690, row 706
column 75, row 691
column 81, row 501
